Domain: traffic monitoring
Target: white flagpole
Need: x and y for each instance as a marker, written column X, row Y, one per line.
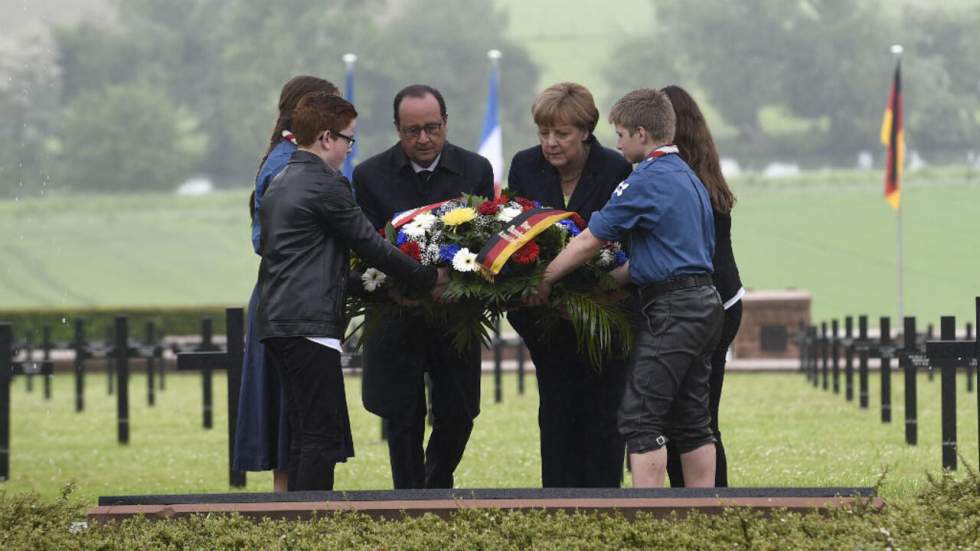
column 349, row 61
column 897, row 51
column 901, row 290
column 495, row 56
column 491, row 139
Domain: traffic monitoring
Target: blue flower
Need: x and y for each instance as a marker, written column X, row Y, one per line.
column 401, row 238
column 572, row 228
column 537, row 204
column 447, row 252
column 621, row 258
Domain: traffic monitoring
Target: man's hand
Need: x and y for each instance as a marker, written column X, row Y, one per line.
column 395, row 294
column 442, row 281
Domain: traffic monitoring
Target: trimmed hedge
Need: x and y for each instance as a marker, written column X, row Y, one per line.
column 171, row 320
column 945, row 516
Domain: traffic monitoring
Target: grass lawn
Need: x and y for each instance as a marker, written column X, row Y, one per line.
column 828, row 232
column 837, row 239
column 778, row 431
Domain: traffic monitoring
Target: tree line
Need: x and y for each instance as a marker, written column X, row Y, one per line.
column 169, row 88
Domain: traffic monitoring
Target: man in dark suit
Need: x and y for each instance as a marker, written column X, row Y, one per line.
column 422, row 168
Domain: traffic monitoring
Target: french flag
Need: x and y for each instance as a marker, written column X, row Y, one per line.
column 491, row 142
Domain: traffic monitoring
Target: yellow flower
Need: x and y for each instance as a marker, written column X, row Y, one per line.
column 458, row 216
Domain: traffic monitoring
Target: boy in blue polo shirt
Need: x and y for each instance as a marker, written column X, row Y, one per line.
column 663, row 211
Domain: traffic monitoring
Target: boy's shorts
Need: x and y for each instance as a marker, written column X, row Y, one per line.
column 666, row 397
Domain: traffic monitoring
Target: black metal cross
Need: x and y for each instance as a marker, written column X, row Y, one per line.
column 6, row 359
column 948, row 355
column 9, row 368
column 231, row 361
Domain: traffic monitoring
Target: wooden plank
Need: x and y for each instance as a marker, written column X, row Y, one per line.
column 396, row 503
column 629, row 507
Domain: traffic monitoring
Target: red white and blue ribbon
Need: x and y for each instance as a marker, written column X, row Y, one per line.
column 407, row 216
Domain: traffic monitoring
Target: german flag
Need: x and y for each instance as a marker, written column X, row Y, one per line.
column 893, row 138
column 518, row 232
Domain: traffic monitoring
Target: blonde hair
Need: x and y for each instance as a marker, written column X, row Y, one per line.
column 566, row 103
column 648, row 108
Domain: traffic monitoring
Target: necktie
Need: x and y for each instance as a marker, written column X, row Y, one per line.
column 424, row 176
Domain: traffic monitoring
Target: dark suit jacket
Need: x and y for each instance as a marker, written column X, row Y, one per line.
column 532, row 176
column 399, row 350
column 385, row 184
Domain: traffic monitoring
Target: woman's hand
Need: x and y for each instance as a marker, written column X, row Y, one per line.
column 539, row 295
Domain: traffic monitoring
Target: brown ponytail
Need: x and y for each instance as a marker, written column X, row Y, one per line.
column 292, row 92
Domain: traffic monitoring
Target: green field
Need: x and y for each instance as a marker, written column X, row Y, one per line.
column 827, row 232
column 778, row 432
column 574, row 41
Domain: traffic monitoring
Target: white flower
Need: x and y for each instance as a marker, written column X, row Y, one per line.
column 484, row 223
column 414, row 230
column 372, row 279
column 606, row 258
column 464, row 261
column 508, row 213
column 426, row 219
column 430, row 255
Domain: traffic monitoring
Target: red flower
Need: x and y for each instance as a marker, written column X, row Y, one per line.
column 526, row 204
column 412, row 249
column 528, row 253
column 489, row 208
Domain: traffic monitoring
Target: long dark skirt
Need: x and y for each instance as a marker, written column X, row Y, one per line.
column 733, row 318
column 580, row 444
column 262, row 432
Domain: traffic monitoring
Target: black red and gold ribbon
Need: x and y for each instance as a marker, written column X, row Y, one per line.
column 516, row 234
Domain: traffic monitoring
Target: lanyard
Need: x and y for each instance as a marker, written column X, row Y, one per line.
column 663, row 150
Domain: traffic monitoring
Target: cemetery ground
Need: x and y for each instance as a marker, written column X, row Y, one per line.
column 827, row 232
column 779, row 431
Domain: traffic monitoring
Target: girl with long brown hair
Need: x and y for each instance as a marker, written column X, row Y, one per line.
column 262, row 431
column 693, row 138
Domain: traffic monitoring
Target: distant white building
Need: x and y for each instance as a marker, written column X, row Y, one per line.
column 865, row 160
column 730, row 167
column 200, row 185
column 781, row 170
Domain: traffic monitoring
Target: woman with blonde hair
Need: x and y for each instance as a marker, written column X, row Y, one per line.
column 569, row 169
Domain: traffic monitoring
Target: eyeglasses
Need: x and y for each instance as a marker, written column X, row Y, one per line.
column 416, row 131
column 350, row 139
